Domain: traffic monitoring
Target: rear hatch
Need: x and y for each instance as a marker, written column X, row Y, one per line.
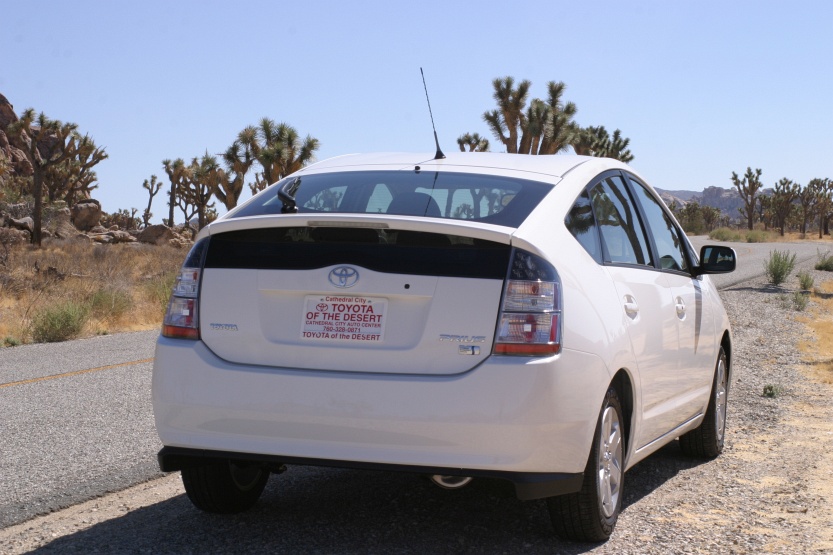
column 398, row 296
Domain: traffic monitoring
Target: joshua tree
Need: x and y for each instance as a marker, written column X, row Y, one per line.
column 596, row 141
column 823, row 192
column 153, row 186
column 176, row 174
column 474, row 142
column 74, row 177
column 48, row 143
column 807, row 201
column 748, row 188
column 200, row 180
column 238, row 158
column 559, row 130
column 545, row 127
column 505, row 122
column 280, row 151
column 782, row 201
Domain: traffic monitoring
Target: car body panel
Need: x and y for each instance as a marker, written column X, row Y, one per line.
column 513, row 414
column 404, row 336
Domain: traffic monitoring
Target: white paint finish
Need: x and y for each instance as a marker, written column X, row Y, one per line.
column 269, row 306
column 699, row 339
column 509, row 413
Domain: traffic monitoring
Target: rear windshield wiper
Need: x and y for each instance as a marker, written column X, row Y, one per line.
column 287, row 195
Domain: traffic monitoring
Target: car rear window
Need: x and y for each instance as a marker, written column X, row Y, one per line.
column 449, row 195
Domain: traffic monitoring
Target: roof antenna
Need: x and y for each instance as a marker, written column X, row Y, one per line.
column 439, row 155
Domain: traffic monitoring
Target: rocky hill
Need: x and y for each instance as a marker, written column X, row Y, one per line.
column 727, row 201
column 11, row 154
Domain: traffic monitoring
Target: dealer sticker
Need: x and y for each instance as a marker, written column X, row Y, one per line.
column 344, row 318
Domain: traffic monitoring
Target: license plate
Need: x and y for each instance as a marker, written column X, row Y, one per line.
column 349, row 318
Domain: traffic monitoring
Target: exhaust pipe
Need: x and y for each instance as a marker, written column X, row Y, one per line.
column 451, row 482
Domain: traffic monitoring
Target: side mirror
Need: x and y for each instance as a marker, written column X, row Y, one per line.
column 716, row 260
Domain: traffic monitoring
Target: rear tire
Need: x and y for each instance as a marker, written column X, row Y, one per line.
column 590, row 514
column 706, row 440
column 224, row 486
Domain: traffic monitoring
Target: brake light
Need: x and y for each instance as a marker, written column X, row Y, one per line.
column 182, row 316
column 530, row 314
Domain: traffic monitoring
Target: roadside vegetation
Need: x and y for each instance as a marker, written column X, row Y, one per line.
column 779, row 265
column 818, row 348
column 766, row 215
column 70, row 289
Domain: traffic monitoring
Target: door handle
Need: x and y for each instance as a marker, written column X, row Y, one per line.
column 631, row 307
column 679, row 304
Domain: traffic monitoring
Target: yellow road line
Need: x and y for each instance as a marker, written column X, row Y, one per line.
column 75, row 373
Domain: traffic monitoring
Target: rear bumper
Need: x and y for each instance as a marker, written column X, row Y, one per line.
column 528, row 485
column 530, row 421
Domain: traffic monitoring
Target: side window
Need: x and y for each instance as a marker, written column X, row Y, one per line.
column 326, row 200
column 582, row 225
column 670, row 246
column 623, row 237
column 379, row 199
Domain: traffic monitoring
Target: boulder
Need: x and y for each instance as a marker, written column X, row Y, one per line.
column 25, row 224
column 19, row 162
column 7, row 114
column 86, row 214
column 102, row 238
column 61, row 224
column 158, row 234
column 121, row 237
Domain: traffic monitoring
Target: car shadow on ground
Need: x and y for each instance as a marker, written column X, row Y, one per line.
column 320, row 510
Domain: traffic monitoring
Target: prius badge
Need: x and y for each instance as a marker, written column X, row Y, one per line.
column 344, row 277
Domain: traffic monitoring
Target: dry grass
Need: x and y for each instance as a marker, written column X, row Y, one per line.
column 120, row 287
column 758, row 235
column 819, row 349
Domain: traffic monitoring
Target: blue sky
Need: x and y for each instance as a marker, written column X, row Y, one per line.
column 702, row 88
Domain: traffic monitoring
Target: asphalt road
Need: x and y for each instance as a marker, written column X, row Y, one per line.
column 76, row 422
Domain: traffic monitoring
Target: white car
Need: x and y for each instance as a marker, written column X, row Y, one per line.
column 537, row 319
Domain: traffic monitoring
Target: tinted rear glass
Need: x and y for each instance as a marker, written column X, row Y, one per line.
column 381, row 250
column 461, row 196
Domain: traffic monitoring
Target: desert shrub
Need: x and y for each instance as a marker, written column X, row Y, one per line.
column 757, row 236
column 8, row 239
column 59, row 322
column 772, row 391
column 805, row 280
column 10, row 341
column 110, row 303
column 159, row 288
column 825, row 262
column 799, row 300
column 725, row 234
column 778, row 266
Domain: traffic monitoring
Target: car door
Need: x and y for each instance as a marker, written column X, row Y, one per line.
column 646, row 303
column 697, row 350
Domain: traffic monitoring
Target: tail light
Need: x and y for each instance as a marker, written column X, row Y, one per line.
column 530, row 314
column 182, row 317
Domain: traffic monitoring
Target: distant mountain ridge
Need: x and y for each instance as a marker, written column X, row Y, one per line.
column 727, row 201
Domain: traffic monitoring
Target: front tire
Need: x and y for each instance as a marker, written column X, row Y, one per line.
column 224, row 486
column 706, row 440
column 591, row 513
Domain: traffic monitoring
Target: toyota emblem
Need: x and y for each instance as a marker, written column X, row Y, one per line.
column 344, row 277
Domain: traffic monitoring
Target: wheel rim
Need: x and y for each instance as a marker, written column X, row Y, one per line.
column 245, row 477
column 610, row 461
column 720, row 399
